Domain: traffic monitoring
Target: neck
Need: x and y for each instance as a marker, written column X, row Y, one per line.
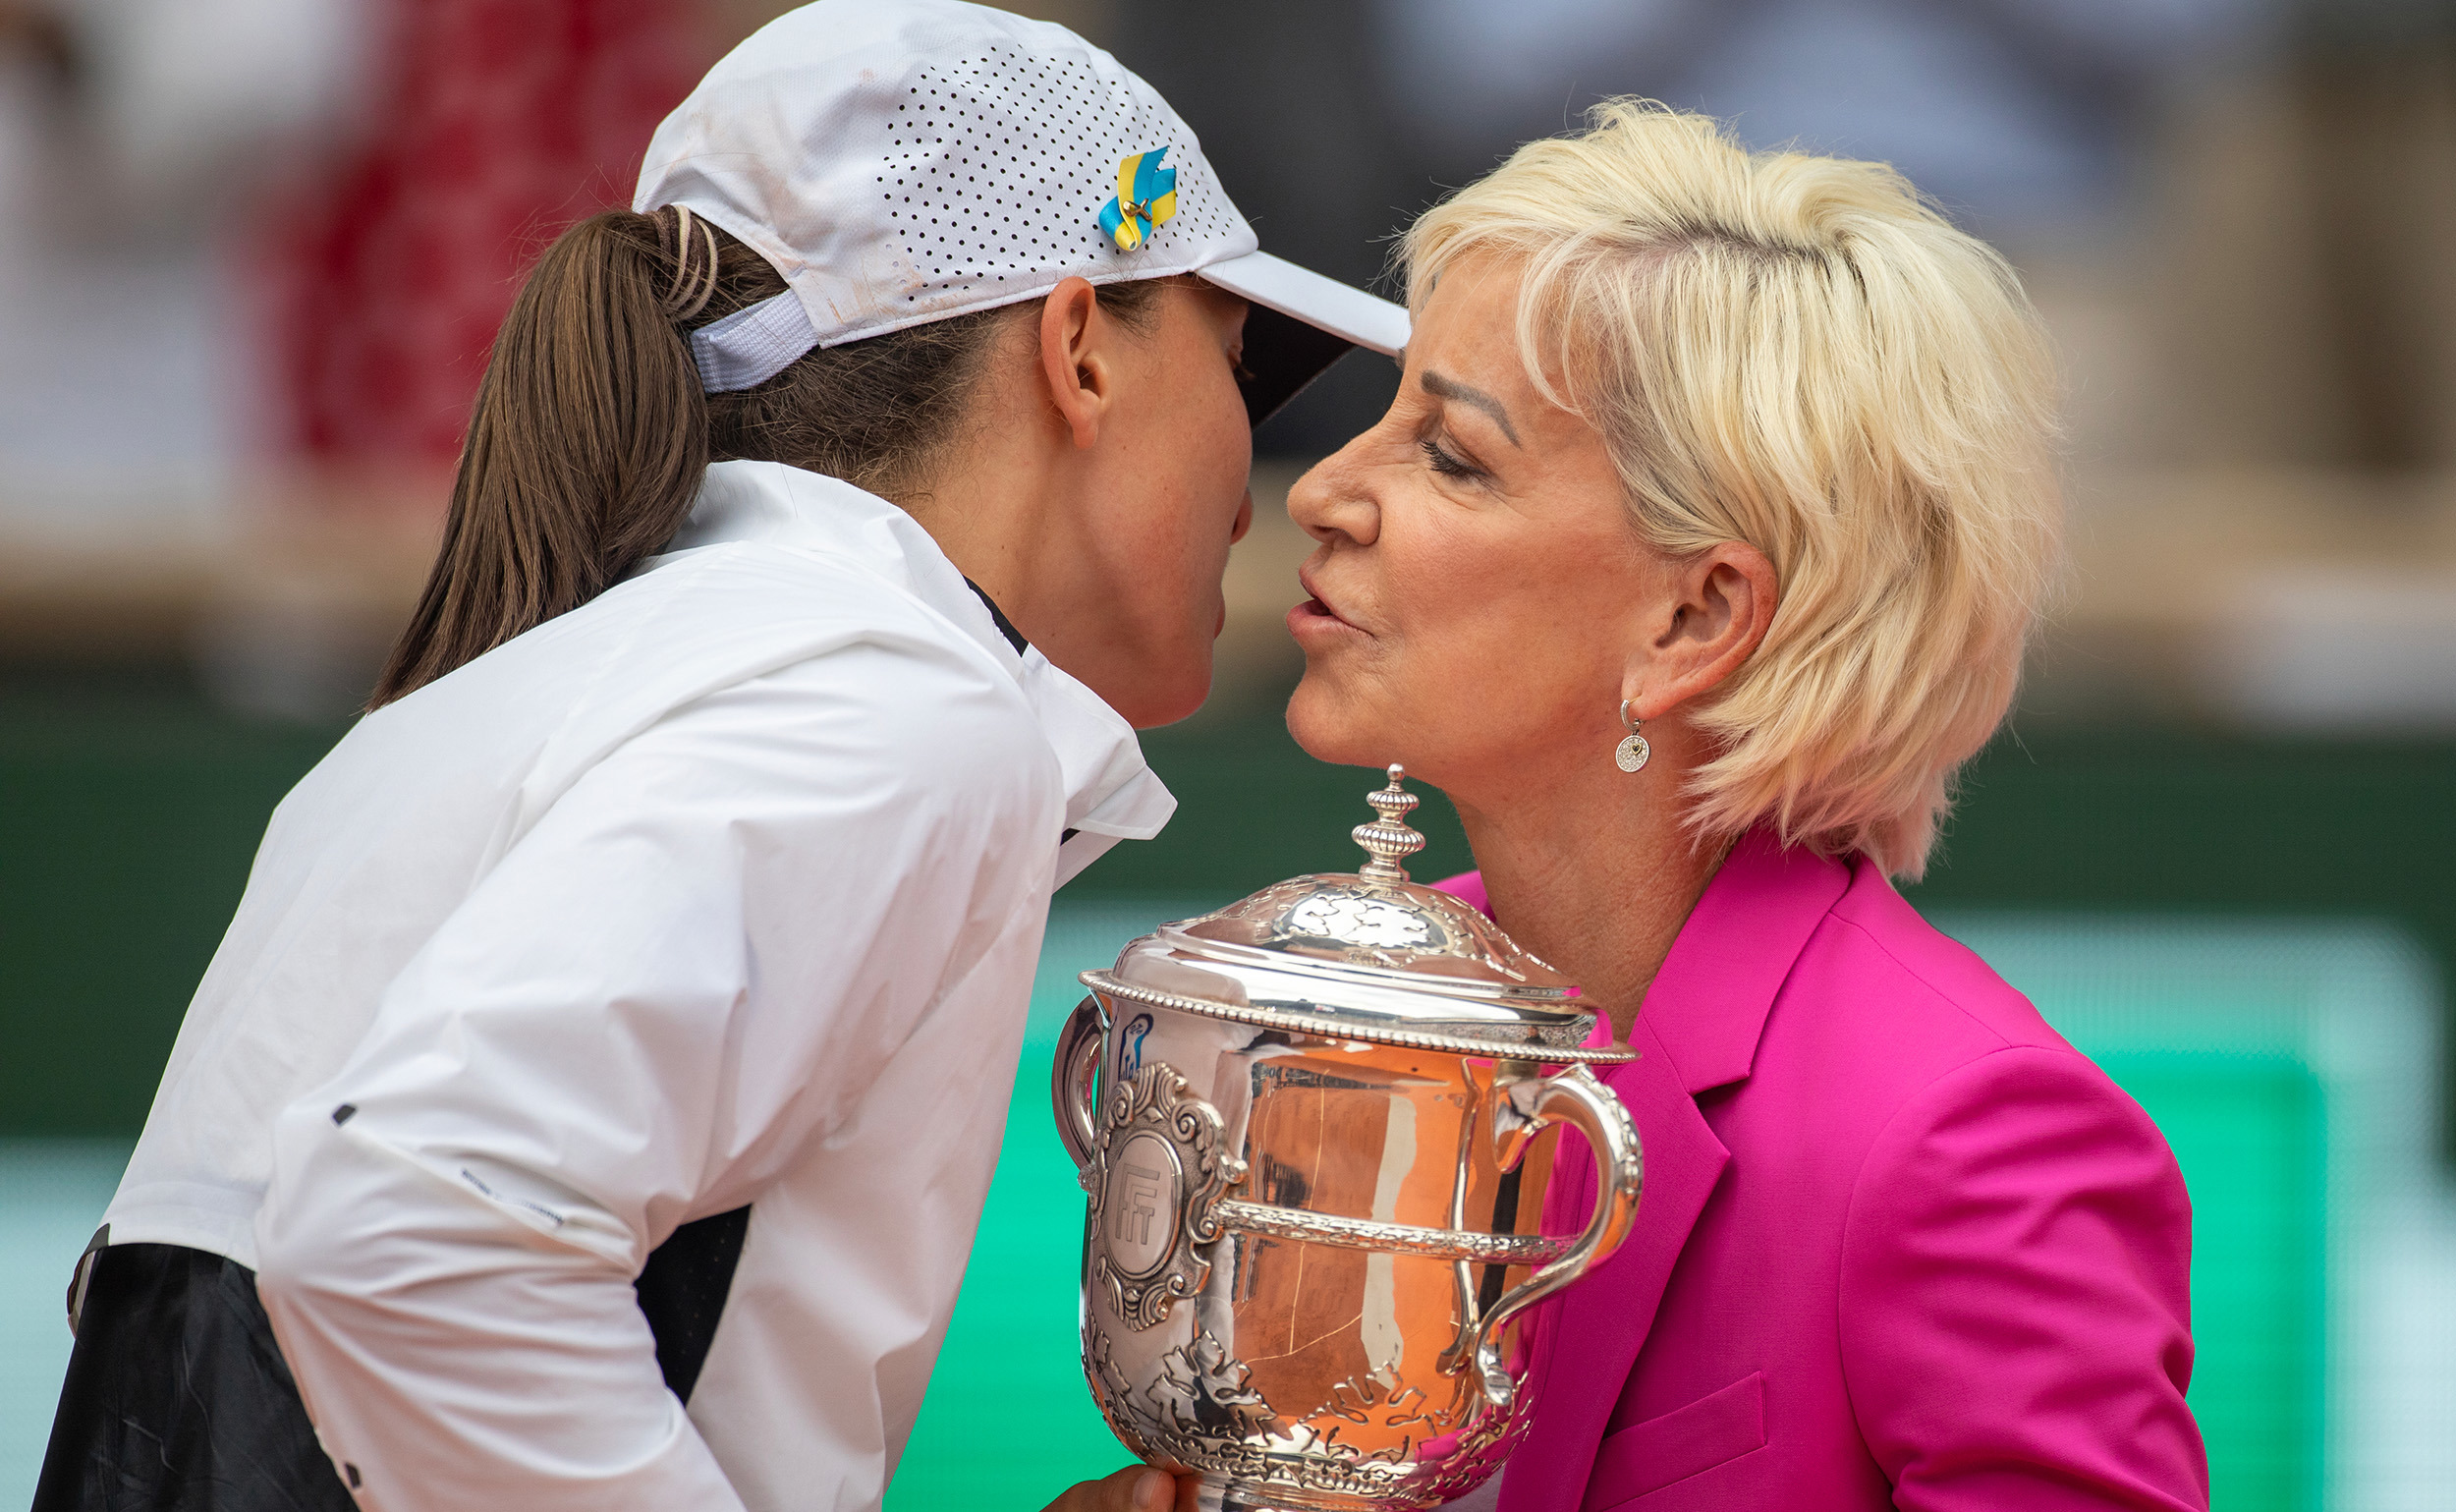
column 986, row 507
column 1591, row 870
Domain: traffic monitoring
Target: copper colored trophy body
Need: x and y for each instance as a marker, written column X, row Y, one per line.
column 1316, row 1135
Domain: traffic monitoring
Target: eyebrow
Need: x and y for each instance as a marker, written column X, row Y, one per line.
column 1440, row 387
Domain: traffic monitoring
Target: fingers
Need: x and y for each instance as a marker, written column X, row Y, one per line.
column 1135, row 1489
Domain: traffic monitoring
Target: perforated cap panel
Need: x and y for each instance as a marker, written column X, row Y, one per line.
column 999, row 165
column 906, row 160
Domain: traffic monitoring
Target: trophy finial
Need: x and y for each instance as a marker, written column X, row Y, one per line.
column 1388, row 839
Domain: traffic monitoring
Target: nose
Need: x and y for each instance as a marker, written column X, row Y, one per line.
column 1333, row 499
column 1244, row 520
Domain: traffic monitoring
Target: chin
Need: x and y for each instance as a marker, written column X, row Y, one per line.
column 1165, row 701
column 1326, row 724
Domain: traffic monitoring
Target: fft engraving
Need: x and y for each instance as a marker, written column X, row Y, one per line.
column 1158, row 1173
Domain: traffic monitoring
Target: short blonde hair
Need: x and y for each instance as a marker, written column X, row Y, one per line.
column 1797, row 353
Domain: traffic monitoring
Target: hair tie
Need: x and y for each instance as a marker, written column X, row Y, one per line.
column 691, row 289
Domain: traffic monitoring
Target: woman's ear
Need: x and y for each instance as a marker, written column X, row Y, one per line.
column 1721, row 604
column 1076, row 364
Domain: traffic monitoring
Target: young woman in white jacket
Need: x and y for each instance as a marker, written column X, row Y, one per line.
column 592, row 1101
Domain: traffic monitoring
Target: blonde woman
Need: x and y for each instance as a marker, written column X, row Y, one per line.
column 1697, row 553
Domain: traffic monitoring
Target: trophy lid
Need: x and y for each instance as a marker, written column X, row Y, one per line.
column 1364, row 955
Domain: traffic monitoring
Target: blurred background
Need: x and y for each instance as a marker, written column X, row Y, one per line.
column 252, row 252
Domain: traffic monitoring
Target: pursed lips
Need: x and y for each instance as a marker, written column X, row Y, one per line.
column 1318, row 606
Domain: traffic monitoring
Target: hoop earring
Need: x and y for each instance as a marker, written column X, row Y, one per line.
column 1631, row 753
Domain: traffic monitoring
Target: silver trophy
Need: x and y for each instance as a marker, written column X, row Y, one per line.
column 1316, row 1133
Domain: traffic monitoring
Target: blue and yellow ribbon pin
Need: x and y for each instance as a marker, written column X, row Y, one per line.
column 1147, row 196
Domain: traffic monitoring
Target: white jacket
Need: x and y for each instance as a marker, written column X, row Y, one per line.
column 714, row 903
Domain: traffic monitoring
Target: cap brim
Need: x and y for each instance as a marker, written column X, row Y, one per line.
column 1301, row 323
column 1350, row 313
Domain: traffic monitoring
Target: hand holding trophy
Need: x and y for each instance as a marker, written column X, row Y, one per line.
column 1317, row 1139
column 1135, row 1489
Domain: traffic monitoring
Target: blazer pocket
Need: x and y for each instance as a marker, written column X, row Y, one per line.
column 1685, row 1441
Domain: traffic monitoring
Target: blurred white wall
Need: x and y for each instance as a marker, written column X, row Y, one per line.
column 129, row 389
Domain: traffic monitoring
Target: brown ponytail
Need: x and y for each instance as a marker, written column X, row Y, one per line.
column 584, row 455
column 590, row 434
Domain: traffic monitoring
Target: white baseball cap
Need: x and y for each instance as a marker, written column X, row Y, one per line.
column 901, row 161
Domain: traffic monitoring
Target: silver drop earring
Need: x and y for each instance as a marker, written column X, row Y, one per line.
column 1631, row 753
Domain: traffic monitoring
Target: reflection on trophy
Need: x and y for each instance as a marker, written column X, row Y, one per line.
column 1316, row 1135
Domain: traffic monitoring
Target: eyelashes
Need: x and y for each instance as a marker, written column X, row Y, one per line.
column 1443, row 462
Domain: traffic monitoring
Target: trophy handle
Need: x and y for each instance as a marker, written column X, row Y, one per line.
column 1521, row 1110
column 1075, row 1078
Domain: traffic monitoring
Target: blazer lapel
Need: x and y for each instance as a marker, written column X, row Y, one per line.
column 1600, row 1322
column 1698, row 1030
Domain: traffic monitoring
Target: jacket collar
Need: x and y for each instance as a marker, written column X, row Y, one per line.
column 767, row 503
column 1709, row 1003
column 1698, row 1030
column 1110, row 794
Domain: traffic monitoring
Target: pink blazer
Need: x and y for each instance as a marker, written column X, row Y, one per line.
column 1900, row 1244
